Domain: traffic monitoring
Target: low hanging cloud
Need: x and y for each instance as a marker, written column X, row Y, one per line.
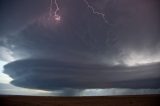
column 48, row 74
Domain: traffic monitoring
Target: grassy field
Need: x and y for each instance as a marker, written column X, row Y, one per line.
column 143, row 100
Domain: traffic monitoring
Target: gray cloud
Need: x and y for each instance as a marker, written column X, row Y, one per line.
column 84, row 35
column 82, row 52
column 49, row 74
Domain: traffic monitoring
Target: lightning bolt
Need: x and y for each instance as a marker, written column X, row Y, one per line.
column 95, row 12
column 54, row 14
column 51, row 8
column 57, row 17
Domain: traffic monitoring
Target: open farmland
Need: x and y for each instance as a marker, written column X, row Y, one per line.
column 143, row 100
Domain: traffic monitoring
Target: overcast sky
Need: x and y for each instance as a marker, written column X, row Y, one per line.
column 79, row 47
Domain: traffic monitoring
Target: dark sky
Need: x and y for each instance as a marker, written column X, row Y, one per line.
column 81, row 51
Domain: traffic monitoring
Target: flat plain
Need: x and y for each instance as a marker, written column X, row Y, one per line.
column 141, row 100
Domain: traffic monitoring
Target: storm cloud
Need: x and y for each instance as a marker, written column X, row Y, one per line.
column 82, row 51
column 48, row 74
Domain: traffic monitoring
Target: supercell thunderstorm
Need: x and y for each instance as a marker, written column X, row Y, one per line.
column 85, row 44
